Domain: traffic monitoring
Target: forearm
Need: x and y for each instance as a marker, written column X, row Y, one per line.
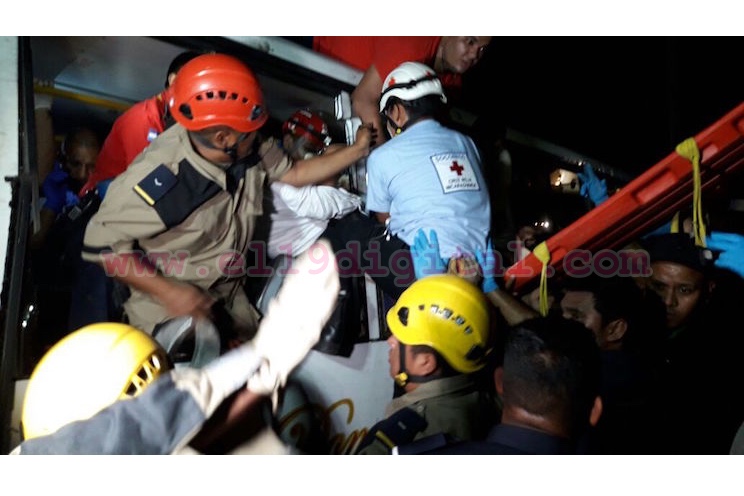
column 319, row 169
column 512, row 309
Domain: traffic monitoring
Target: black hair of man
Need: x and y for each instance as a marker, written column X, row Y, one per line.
column 179, row 61
column 80, row 137
column 420, row 108
column 552, row 370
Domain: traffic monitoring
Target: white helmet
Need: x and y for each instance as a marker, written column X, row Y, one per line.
column 409, row 81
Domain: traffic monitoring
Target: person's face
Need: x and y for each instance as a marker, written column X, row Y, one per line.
column 579, row 306
column 80, row 162
column 245, row 143
column 679, row 287
column 394, row 355
column 461, row 53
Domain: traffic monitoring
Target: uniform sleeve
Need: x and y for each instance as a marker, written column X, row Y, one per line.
column 317, row 202
column 123, row 217
column 164, row 418
column 378, row 196
column 274, row 160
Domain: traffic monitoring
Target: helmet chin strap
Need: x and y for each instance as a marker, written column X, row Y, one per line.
column 393, row 124
column 230, row 151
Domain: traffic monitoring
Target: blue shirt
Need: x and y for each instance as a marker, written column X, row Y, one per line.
column 429, row 177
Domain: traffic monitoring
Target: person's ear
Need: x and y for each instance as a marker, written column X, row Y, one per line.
column 421, row 363
column 221, row 138
column 171, row 78
column 616, row 329
column 596, row 411
column 498, row 379
column 398, row 114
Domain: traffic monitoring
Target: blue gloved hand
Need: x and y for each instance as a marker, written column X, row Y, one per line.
column 731, row 246
column 487, row 262
column 425, row 255
column 591, row 186
column 55, row 189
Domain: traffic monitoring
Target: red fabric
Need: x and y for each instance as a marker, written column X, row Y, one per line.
column 128, row 137
column 385, row 52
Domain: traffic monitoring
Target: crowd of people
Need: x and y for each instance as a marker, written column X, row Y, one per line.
column 616, row 365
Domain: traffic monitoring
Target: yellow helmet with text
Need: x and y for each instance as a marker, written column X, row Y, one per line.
column 447, row 313
column 87, row 371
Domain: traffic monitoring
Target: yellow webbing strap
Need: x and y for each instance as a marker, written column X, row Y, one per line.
column 543, row 255
column 689, row 150
column 675, row 223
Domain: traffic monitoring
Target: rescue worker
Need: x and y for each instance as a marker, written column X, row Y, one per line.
column 428, row 176
column 134, row 130
column 440, row 337
column 377, row 56
column 175, row 227
column 109, row 388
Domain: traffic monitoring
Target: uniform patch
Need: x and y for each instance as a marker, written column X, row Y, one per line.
column 156, row 184
column 455, row 173
column 151, row 135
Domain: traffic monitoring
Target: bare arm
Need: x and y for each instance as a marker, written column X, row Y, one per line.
column 365, row 102
column 319, row 169
column 382, row 217
column 513, row 309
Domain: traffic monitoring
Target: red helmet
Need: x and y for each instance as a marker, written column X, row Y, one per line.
column 216, row 89
column 308, row 125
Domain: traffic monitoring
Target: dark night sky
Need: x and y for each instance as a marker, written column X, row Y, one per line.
column 626, row 101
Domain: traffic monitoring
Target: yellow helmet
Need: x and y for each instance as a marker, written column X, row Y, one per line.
column 446, row 313
column 87, row 371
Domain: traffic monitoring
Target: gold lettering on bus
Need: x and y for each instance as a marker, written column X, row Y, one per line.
column 297, row 425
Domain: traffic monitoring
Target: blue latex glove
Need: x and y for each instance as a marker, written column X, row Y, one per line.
column 425, row 255
column 591, row 186
column 731, row 247
column 55, row 190
column 487, row 262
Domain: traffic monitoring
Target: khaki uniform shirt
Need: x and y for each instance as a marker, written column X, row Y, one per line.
column 191, row 218
column 452, row 405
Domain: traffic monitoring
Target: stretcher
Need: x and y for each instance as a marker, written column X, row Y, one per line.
column 643, row 204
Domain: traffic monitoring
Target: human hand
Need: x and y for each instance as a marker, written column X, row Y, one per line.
column 731, row 247
column 591, row 186
column 425, row 255
column 295, row 318
column 487, row 261
column 467, row 268
column 54, row 190
column 180, row 299
column 365, row 135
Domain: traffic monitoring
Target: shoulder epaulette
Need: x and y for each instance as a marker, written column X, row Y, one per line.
column 156, row 184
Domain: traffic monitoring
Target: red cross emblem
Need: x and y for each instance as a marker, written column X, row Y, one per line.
column 455, row 167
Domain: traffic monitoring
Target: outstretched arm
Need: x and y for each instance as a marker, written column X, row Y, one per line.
column 365, row 102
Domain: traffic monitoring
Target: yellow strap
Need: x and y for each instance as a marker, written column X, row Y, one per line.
column 675, row 223
column 689, row 150
column 543, row 255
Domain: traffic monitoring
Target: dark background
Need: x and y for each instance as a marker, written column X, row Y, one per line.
column 627, row 101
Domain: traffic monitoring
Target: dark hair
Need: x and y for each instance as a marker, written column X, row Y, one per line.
column 552, row 369
column 178, row 62
column 426, row 106
column 80, row 136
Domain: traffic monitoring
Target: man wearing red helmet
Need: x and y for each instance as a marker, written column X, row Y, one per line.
column 177, row 223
